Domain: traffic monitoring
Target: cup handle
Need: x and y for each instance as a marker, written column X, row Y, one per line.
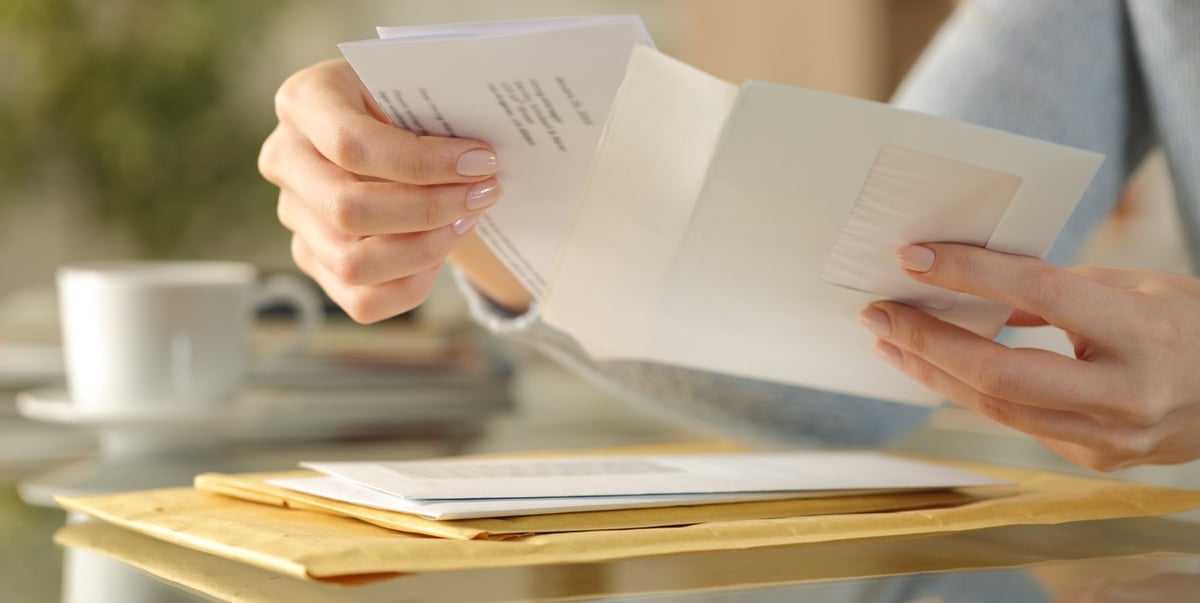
column 290, row 290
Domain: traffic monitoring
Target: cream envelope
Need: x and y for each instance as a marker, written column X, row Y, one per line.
column 750, row 244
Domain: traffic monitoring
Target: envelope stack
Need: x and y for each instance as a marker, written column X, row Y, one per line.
column 252, row 519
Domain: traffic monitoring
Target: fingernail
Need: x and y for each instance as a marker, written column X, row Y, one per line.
column 483, row 194
column 877, row 321
column 462, row 225
column 916, row 258
column 890, row 353
column 477, row 163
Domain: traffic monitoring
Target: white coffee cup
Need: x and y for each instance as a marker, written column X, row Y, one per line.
column 163, row 337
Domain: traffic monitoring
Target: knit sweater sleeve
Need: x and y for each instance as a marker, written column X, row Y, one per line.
column 747, row 409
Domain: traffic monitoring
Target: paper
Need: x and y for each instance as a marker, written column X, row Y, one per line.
column 733, row 229
column 560, row 477
column 313, row 545
column 352, row 492
column 538, row 91
column 259, row 487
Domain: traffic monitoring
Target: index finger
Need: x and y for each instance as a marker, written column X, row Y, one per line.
column 328, row 105
column 1062, row 298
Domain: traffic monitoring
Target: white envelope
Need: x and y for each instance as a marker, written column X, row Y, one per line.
column 742, row 230
column 649, row 475
column 344, row 490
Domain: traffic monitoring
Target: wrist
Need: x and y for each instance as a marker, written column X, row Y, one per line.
column 489, row 275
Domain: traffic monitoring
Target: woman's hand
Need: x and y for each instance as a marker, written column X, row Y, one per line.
column 374, row 209
column 1131, row 394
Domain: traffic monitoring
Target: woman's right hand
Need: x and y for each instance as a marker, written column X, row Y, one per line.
column 374, row 209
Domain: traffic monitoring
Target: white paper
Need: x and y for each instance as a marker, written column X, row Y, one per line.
column 649, row 475
column 537, row 91
column 344, row 490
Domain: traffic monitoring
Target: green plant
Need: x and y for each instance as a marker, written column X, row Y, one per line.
column 135, row 103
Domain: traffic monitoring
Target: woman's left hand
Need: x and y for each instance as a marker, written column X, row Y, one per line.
column 1131, row 394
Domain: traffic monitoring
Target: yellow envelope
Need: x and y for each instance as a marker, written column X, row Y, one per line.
column 1074, row 544
column 318, row 545
column 254, row 487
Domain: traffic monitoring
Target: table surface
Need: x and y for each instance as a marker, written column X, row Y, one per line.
column 1147, row 559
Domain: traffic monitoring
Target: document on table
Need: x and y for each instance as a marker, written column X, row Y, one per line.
column 344, row 490
column 444, row 489
column 736, row 229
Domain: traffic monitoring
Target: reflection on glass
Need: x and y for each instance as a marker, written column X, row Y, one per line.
column 1162, row 588
column 991, row 586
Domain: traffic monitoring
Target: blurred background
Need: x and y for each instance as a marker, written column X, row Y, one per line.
column 130, row 129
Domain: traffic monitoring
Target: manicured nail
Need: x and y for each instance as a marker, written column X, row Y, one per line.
column 483, row 194
column 462, row 225
column 877, row 321
column 477, row 163
column 890, row 353
column 916, row 258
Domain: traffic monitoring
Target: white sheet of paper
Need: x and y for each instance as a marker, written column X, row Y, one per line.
column 651, row 474
column 732, row 280
column 537, row 91
column 344, row 490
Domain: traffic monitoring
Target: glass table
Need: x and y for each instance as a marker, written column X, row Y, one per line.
column 1144, row 559
column 1149, row 559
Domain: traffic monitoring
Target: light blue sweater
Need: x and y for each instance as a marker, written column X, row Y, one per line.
column 1114, row 76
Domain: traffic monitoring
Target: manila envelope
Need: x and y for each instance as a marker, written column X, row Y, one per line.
column 318, row 545
column 1074, row 545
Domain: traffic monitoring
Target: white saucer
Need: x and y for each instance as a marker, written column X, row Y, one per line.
column 54, row 405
